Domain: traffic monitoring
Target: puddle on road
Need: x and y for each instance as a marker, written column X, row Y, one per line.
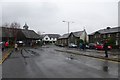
column 105, row 68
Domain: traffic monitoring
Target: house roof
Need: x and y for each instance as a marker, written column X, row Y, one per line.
column 76, row 34
column 111, row 30
column 64, row 36
column 42, row 36
column 91, row 33
column 50, row 35
column 30, row 34
column 105, row 31
column 27, row 33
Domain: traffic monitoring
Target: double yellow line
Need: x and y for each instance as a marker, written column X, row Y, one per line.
column 5, row 56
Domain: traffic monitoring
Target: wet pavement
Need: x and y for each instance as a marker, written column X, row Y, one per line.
column 45, row 62
column 113, row 56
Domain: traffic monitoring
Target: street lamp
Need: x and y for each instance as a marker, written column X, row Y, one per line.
column 68, row 22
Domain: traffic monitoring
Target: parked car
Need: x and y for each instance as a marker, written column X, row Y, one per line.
column 101, row 47
column 61, row 45
column 92, row 45
column 20, row 43
column 72, row 45
column 2, row 46
column 87, row 47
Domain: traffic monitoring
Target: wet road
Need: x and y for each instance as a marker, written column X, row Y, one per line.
column 45, row 62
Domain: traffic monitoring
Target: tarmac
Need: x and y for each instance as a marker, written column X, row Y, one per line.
column 46, row 62
column 113, row 55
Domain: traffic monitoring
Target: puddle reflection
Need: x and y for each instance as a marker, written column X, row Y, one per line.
column 105, row 66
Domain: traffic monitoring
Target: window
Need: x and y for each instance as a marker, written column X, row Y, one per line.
column 95, row 36
column 46, row 38
column 117, row 34
column 109, row 35
column 116, row 42
column 104, row 36
column 99, row 36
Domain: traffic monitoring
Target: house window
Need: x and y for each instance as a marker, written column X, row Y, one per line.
column 117, row 34
column 99, row 36
column 95, row 36
column 116, row 42
column 109, row 35
column 46, row 38
column 104, row 36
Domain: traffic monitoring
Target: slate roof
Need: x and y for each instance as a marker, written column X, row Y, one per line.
column 64, row 36
column 27, row 33
column 30, row 34
column 50, row 35
column 76, row 34
column 41, row 36
column 105, row 31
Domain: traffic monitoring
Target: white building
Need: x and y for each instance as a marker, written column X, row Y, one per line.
column 50, row 38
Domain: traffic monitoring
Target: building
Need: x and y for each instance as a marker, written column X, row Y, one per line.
column 49, row 38
column 110, row 34
column 14, row 34
column 73, row 37
column 63, row 40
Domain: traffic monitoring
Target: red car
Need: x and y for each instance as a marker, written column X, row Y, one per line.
column 100, row 47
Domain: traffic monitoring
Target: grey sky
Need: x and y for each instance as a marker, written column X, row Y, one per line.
column 47, row 16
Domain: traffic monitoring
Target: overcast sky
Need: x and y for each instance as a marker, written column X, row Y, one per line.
column 47, row 15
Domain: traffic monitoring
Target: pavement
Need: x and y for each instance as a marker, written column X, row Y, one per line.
column 45, row 62
column 4, row 54
column 113, row 55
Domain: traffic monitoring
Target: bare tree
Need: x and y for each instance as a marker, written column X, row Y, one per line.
column 11, row 31
column 7, row 30
column 15, row 25
column 14, row 29
column 6, row 25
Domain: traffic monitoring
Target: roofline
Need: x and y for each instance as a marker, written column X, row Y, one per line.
column 103, row 33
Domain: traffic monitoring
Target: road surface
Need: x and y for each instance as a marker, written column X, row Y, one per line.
column 45, row 62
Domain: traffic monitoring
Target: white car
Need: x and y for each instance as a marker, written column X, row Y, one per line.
column 72, row 45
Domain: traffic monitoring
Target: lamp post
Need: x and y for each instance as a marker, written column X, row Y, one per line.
column 68, row 22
